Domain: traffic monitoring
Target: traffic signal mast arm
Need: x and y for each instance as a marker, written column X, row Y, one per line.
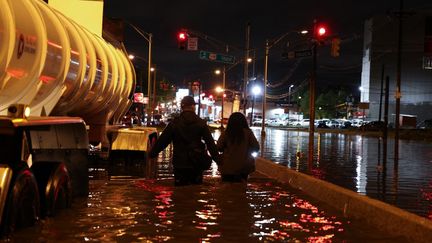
column 211, row 40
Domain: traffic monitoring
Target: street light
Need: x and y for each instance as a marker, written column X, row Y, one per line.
column 269, row 45
column 133, row 57
column 217, row 72
column 256, row 90
column 289, row 100
column 153, row 70
column 149, row 38
column 289, row 93
column 234, row 96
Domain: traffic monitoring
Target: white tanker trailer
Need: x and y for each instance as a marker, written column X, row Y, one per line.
column 61, row 87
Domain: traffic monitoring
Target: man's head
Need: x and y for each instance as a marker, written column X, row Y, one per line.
column 188, row 103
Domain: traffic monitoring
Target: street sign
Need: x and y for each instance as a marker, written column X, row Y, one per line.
column 297, row 54
column 303, row 53
column 192, row 44
column 216, row 57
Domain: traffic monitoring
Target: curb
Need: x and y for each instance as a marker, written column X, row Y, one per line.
column 388, row 218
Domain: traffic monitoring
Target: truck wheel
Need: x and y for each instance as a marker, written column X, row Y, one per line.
column 23, row 207
column 54, row 187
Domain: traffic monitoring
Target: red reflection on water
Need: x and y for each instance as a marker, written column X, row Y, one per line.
column 292, row 225
column 318, row 173
column 300, row 203
column 427, row 195
column 321, row 239
column 275, row 197
column 279, row 235
column 163, row 197
column 327, row 227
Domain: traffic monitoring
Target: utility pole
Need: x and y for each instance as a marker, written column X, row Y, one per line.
column 312, row 82
column 385, row 132
column 398, row 83
column 246, row 70
column 223, row 96
column 199, row 98
column 150, row 37
column 381, row 93
column 267, row 47
column 154, row 89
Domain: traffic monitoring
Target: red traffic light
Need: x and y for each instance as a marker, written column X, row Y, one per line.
column 321, row 31
column 182, row 36
column 182, row 40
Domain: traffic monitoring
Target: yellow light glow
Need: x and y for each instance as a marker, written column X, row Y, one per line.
column 86, row 13
column 27, row 112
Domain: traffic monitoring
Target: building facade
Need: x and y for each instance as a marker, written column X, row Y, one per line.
column 380, row 61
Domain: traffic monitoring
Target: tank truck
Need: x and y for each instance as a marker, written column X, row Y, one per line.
column 62, row 88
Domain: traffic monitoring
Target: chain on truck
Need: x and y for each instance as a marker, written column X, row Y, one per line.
column 62, row 88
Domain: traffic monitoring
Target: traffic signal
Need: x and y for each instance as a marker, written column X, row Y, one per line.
column 182, row 40
column 320, row 32
column 335, row 47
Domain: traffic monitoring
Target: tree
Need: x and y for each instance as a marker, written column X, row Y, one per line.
column 326, row 104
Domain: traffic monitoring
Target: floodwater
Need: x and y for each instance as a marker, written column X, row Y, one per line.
column 356, row 162
column 123, row 206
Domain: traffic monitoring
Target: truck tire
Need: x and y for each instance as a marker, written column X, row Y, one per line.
column 23, row 205
column 54, row 187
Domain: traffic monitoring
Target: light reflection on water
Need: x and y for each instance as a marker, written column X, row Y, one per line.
column 155, row 210
column 357, row 163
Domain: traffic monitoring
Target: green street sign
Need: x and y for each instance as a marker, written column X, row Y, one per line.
column 216, row 57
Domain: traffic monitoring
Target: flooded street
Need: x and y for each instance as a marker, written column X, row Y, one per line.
column 356, row 162
column 123, row 208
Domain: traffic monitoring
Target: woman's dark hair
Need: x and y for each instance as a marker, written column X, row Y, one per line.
column 234, row 131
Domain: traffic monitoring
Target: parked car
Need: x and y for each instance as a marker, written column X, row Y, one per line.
column 426, row 124
column 258, row 122
column 322, row 124
column 278, row 122
column 345, row 125
column 333, row 124
column 373, row 126
column 302, row 123
column 356, row 122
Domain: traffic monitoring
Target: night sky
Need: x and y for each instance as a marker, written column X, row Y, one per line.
column 225, row 20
